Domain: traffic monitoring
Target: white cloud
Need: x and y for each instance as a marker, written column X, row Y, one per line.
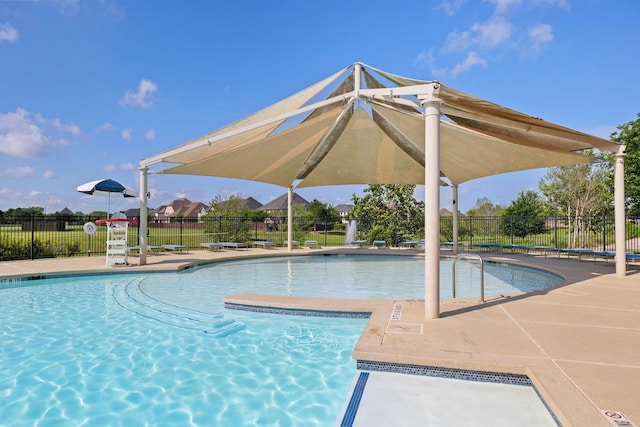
column 128, row 166
column 25, row 135
column 425, row 57
column 105, row 127
column 485, row 35
column 450, row 7
column 48, row 174
column 8, row 33
column 19, row 172
column 458, row 40
column 540, row 35
column 492, row 33
column 20, row 136
column 71, row 128
column 502, row 6
column 150, row 134
column 472, row 60
column 563, row 4
column 141, row 97
column 109, row 168
column 126, row 133
column 9, row 194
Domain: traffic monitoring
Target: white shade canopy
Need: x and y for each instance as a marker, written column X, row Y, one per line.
column 373, row 133
column 366, row 126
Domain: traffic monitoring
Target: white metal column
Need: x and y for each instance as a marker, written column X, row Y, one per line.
column 432, row 104
column 142, row 227
column 455, row 219
column 290, row 218
column 618, row 197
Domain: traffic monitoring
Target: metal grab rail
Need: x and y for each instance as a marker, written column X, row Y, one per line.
column 474, row 256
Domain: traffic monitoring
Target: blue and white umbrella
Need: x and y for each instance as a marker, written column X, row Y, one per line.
column 105, row 188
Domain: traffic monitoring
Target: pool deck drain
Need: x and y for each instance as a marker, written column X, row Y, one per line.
column 577, row 343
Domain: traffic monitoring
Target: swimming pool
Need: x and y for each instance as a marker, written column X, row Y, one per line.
column 368, row 277
column 136, row 349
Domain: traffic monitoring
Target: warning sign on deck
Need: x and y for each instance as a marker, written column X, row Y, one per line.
column 396, row 314
column 617, row 419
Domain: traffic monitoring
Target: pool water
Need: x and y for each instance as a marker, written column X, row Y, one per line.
column 367, row 277
column 72, row 356
column 160, row 349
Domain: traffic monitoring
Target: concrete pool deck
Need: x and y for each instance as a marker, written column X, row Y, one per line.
column 578, row 343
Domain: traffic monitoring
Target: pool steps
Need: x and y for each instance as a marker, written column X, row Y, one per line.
column 130, row 296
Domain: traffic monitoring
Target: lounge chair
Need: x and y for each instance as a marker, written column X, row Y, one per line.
column 150, row 249
column 612, row 255
column 488, row 246
column 580, row 252
column 173, row 248
column 235, row 245
column 311, row 243
column 294, row 243
column 214, row 246
column 264, row 244
column 379, row 243
column 358, row 243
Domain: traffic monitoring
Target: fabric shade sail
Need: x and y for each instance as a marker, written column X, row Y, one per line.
column 375, row 134
column 366, row 126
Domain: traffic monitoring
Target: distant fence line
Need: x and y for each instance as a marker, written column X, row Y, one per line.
column 46, row 237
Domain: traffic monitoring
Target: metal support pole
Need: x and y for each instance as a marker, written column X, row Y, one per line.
column 455, row 219
column 290, row 218
column 142, row 227
column 432, row 104
column 618, row 197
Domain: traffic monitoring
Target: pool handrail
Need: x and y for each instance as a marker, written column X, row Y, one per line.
column 453, row 275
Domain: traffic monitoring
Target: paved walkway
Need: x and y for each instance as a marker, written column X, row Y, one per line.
column 579, row 343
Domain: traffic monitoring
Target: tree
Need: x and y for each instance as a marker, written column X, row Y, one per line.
column 231, row 217
column 523, row 216
column 581, row 193
column 388, row 212
column 629, row 134
column 484, row 207
column 318, row 210
column 484, row 225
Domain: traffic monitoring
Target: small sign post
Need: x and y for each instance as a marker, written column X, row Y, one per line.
column 89, row 228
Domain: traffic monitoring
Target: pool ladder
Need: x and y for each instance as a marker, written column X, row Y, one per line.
column 473, row 256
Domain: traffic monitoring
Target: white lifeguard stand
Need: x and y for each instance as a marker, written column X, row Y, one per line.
column 117, row 233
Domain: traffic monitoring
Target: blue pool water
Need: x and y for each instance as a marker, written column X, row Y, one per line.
column 160, row 349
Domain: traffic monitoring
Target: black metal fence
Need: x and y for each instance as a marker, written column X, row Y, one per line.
column 46, row 237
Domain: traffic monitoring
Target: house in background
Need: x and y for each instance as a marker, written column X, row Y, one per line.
column 180, row 208
column 65, row 211
column 343, row 210
column 278, row 207
column 134, row 213
column 249, row 202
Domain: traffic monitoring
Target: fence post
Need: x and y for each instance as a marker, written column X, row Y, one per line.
column 511, row 227
column 33, row 229
column 180, row 228
column 604, row 232
column 326, row 230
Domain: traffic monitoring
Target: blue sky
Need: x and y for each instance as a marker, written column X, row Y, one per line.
column 89, row 88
